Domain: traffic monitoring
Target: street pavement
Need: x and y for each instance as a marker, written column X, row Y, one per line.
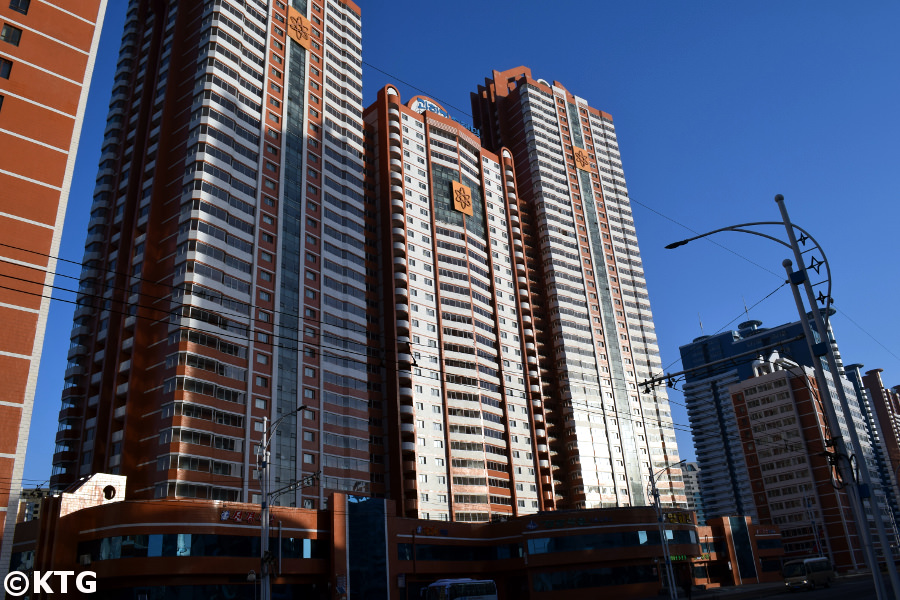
column 855, row 586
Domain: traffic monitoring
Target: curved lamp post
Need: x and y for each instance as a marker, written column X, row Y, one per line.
column 664, row 541
column 266, row 496
column 823, row 349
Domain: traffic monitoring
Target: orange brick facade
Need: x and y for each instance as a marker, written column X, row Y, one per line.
column 47, row 51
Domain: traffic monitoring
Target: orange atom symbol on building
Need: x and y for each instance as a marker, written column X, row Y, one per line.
column 463, row 199
column 298, row 28
column 582, row 160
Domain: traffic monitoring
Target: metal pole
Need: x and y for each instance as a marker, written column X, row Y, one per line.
column 670, row 576
column 264, row 513
column 839, row 446
column 851, row 427
column 815, row 528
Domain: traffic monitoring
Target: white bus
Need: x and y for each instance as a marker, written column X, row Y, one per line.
column 461, row 589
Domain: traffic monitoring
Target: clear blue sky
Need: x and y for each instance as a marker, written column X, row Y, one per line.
column 718, row 107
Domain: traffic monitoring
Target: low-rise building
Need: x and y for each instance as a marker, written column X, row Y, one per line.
column 360, row 548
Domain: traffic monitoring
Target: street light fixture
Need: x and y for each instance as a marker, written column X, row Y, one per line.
column 266, row 496
column 820, row 350
column 664, row 540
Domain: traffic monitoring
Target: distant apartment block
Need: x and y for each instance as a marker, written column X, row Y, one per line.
column 690, row 472
column 759, row 427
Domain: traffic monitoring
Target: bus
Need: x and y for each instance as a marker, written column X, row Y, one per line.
column 461, row 589
column 808, row 573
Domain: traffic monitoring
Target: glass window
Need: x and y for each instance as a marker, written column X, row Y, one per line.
column 11, row 35
column 19, row 6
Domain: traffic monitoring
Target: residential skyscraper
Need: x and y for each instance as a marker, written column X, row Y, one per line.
column 224, row 277
column 691, row 474
column 586, row 292
column 467, row 426
column 451, row 346
column 760, row 432
column 47, row 52
column 886, row 403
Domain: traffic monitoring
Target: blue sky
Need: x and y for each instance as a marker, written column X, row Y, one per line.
column 718, row 106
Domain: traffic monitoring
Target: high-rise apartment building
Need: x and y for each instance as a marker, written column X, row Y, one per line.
column 886, row 404
column 782, row 427
column 259, row 242
column 225, row 276
column 759, row 428
column 690, row 472
column 586, row 293
column 47, row 52
column 724, row 482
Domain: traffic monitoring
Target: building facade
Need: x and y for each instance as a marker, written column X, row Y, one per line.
column 468, row 425
column 225, row 283
column 783, row 430
column 450, row 341
column 690, row 471
column 586, row 293
column 885, row 403
column 753, row 393
column 363, row 549
column 47, row 53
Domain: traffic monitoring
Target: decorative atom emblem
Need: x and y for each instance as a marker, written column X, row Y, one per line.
column 582, row 160
column 463, row 199
column 299, row 29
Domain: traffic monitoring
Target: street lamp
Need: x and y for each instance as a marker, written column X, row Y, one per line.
column 266, row 496
column 654, row 492
column 817, row 351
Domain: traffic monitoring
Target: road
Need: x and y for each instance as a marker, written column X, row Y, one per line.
column 853, row 588
column 859, row 588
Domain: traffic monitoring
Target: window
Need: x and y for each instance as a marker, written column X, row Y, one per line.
column 19, row 6
column 11, row 35
column 262, row 381
column 5, row 68
column 308, row 458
